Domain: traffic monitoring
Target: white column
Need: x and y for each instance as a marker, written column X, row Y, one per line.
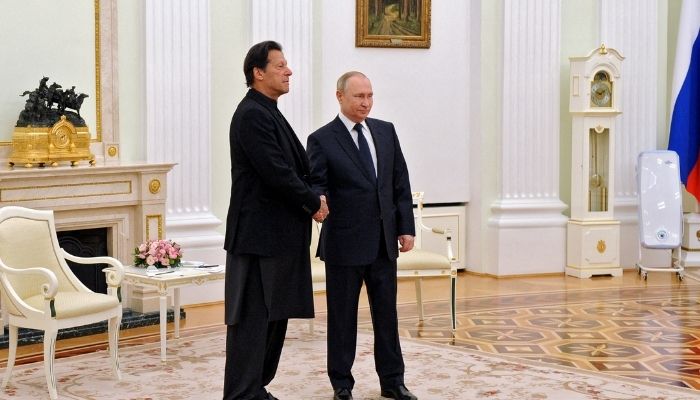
column 527, row 225
column 289, row 23
column 178, row 122
column 631, row 27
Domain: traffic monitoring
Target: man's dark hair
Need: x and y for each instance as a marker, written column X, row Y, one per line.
column 257, row 57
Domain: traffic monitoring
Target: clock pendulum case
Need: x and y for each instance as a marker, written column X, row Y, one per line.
column 593, row 235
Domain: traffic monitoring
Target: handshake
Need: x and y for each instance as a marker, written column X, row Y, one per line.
column 322, row 212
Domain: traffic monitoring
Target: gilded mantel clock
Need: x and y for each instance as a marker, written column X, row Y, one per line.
column 49, row 129
column 593, row 236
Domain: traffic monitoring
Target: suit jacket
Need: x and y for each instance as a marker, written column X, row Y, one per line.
column 363, row 210
column 271, row 205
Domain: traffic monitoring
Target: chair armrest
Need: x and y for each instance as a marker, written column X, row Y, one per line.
column 421, row 225
column 448, row 239
column 418, row 196
column 437, row 230
column 114, row 276
column 48, row 289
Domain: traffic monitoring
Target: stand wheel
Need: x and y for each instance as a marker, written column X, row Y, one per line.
column 680, row 276
column 644, row 275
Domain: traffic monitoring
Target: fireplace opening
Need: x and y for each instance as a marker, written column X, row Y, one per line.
column 87, row 243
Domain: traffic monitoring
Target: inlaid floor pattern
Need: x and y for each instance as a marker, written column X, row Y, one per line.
column 622, row 326
column 650, row 333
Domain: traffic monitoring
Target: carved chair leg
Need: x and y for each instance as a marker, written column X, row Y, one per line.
column 453, row 301
column 49, row 355
column 13, row 332
column 419, row 298
column 113, row 327
column 5, row 318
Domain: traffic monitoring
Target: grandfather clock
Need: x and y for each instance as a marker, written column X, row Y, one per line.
column 593, row 236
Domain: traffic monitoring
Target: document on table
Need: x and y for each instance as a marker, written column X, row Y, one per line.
column 179, row 271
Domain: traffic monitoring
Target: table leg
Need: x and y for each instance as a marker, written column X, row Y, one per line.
column 163, row 322
column 176, row 317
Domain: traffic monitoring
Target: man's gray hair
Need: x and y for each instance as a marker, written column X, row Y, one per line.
column 343, row 80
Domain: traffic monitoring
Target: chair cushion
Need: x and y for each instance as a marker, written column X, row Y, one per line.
column 422, row 259
column 318, row 270
column 74, row 304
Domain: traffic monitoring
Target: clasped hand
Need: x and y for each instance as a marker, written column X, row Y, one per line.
column 322, row 212
column 406, row 242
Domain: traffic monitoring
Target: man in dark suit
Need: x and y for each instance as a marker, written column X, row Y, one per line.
column 357, row 163
column 268, row 228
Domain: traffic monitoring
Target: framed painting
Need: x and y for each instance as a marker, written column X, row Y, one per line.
column 392, row 23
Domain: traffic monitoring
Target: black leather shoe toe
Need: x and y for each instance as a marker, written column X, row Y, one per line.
column 399, row 393
column 342, row 394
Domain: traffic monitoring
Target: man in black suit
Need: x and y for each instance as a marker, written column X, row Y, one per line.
column 357, row 163
column 268, row 229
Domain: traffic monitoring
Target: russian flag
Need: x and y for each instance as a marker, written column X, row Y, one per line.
column 684, row 137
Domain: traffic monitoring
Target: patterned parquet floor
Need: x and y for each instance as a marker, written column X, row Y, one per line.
column 646, row 332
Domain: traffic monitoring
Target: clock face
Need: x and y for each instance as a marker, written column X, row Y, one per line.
column 61, row 137
column 601, row 91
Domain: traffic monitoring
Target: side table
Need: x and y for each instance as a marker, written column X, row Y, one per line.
column 166, row 279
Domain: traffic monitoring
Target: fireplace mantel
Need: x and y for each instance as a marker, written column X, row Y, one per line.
column 127, row 198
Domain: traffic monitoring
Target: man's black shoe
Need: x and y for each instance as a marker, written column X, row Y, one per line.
column 342, row 394
column 399, row 393
column 271, row 397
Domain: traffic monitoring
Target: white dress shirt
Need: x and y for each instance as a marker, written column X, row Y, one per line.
column 365, row 131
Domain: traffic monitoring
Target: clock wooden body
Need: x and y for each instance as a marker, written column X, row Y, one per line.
column 593, row 235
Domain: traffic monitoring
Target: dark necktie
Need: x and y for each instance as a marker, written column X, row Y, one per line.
column 365, row 154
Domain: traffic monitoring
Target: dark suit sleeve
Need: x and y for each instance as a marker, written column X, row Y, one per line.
column 403, row 199
column 259, row 142
column 319, row 165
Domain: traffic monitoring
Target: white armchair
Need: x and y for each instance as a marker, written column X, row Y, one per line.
column 419, row 263
column 39, row 291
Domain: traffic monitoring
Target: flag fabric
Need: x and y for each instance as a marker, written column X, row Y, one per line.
column 684, row 137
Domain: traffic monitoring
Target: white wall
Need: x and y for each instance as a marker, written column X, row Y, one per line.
column 424, row 92
column 229, row 44
column 132, row 80
column 36, row 42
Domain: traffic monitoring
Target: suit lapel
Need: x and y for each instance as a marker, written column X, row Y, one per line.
column 343, row 137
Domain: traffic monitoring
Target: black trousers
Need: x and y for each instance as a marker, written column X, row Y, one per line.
column 343, row 285
column 254, row 344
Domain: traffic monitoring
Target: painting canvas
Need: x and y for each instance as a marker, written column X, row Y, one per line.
column 393, row 23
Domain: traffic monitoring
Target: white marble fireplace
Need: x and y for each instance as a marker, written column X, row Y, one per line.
column 127, row 199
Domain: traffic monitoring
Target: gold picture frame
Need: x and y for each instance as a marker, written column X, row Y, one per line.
column 393, row 23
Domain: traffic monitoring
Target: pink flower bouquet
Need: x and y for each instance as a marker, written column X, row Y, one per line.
column 159, row 253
